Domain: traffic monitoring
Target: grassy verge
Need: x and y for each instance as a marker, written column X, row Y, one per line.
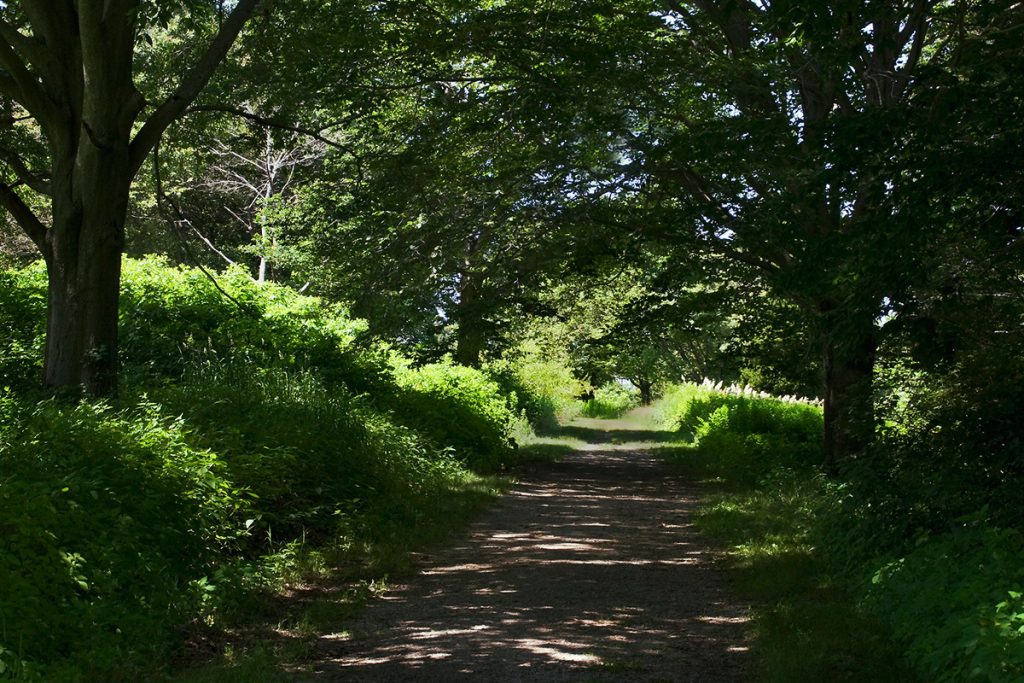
column 272, row 634
column 876, row 576
column 762, row 511
column 807, row 626
column 249, row 456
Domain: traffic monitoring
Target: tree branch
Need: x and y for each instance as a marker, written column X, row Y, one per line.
column 161, row 197
column 175, row 106
column 33, row 179
column 24, row 216
column 917, row 24
column 32, row 49
column 23, row 86
column 273, row 123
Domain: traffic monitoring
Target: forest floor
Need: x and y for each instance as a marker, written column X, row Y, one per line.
column 589, row 569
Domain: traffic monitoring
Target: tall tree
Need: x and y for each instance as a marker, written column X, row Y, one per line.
column 775, row 139
column 68, row 67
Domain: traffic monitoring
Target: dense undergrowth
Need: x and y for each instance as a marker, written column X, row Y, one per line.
column 859, row 578
column 247, row 430
column 611, row 400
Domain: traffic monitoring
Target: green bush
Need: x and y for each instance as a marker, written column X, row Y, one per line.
column 310, row 455
column 545, row 388
column 23, row 319
column 957, row 601
column 746, row 437
column 797, row 422
column 951, row 588
column 110, row 521
column 611, row 400
column 459, row 408
column 118, row 524
column 173, row 316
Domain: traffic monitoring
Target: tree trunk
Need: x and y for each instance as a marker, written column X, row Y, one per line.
column 90, row 206
column 646, row 391
column 848, row 370
column 470, row 338
column 82, row 307
column 469, row 345
column 73, row 73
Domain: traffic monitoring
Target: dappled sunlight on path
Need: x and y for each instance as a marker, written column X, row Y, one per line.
column 588, row 570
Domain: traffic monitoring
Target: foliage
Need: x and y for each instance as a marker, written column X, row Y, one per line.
column 610, row 401
column 122, row 524
column 112, row 521
column 170, row 315
column 460, row 408
column 311, row 455
column 956, row 600
column 861, row 550
column 543, row 383
column 22, row 314
column 748, row 437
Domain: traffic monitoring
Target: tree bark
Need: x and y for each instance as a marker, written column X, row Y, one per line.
column 86, row 240
column 848, row 362
column 81, row 329
column 469, row 345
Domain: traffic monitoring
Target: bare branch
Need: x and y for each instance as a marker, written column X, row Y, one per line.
column 275, row 123
column 162, row 198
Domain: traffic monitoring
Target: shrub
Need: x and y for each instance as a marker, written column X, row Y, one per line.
column 118, row 525
column 23, row 319
column 745, row 436
column 611, row 400
column 173, row 316
column 545, row 388
column 957, row 600
column 951, row 588
column 110, row 521
column 309, row 454
column 460, row 408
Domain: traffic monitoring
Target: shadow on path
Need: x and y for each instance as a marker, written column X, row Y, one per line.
column 596, row 435
column 589, row 570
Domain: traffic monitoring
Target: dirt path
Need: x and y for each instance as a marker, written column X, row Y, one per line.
column 589, row 570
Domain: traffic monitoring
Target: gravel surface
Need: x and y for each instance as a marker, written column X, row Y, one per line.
column 588, row 570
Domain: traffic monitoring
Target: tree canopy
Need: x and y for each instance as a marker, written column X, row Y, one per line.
column 778, row 167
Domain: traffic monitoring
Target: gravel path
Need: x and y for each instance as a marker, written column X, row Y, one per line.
column 589, row 570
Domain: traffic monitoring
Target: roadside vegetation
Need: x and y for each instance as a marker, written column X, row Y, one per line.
column 848, row 579
column 287, row 287
column 611, row 400
column 255, row 440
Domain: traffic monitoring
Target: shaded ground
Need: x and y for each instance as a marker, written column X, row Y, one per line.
column 589, row 570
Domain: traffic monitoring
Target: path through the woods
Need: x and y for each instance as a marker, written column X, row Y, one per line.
column 588, row 570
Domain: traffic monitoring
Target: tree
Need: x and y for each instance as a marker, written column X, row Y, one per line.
column 468, row 158
column 68, row 67
column 256, row 178
column 774, row 139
